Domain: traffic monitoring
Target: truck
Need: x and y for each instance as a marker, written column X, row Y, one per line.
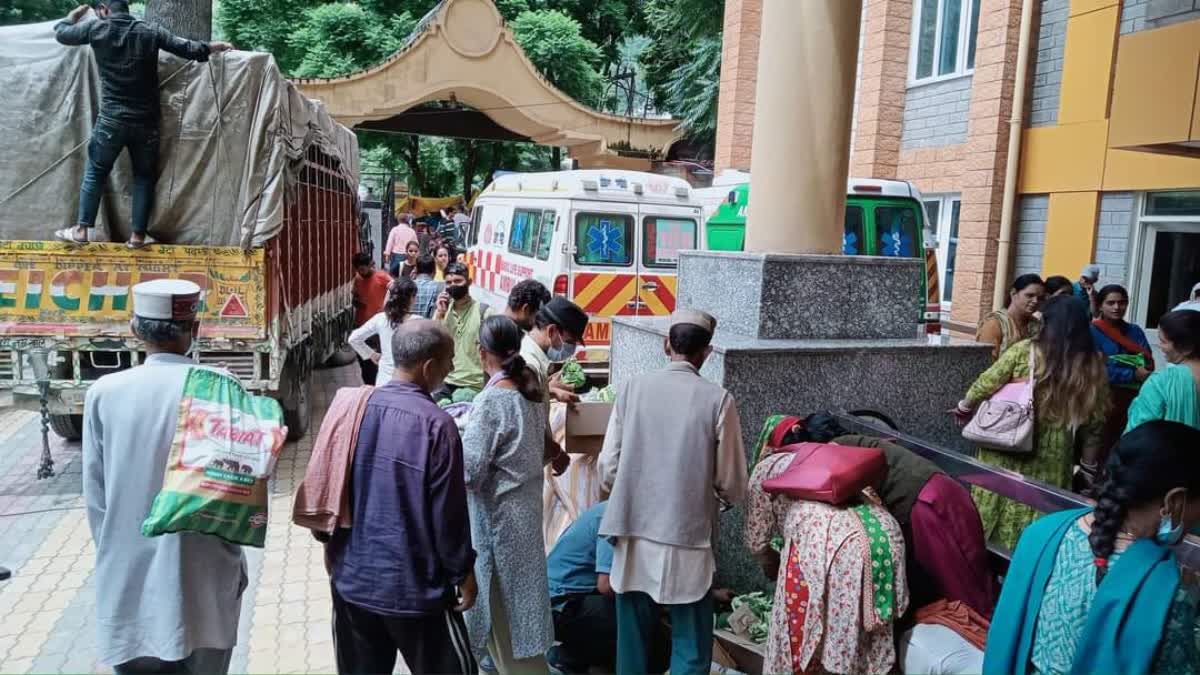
column 256, row 202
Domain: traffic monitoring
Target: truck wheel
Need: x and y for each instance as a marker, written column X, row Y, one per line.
column 297, row 406
column 70, row 427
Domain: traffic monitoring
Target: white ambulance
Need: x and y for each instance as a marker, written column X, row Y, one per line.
column 607, row 239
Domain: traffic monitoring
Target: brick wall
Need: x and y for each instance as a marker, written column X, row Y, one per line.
column 1048, row 63
column 1137, row 15
column 739, row 76
column 1114, row 232
column 1031, row 234
column 883, row 71
column 935, row 115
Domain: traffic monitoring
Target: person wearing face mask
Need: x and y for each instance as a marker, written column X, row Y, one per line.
column 462, row 315
column 1173, row 393
column 404, row 573
column 558, row 330
column 1017, row 321
column 1099, row 590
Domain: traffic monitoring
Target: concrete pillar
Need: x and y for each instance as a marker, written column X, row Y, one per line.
column 801, row 154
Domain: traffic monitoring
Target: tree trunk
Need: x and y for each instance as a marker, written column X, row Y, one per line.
column 470, row 159
column 191, row 19
column 555, row 158
column 411, row 152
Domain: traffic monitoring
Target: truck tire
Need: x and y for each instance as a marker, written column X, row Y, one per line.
column 69, row 427
column 296, row 402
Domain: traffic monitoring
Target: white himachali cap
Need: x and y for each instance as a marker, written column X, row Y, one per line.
column 166, row 299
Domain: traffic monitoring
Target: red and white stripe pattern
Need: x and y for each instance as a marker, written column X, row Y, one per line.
column 487, row 269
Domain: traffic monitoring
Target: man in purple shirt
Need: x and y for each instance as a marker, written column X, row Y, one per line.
column 403, row 574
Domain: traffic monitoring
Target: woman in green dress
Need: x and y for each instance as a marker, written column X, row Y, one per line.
column 1173, row 393
column 1070, row 401
column 1018, row 320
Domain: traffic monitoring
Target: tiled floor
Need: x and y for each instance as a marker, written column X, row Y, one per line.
column 47, row 609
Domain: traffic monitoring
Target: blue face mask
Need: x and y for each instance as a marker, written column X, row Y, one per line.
column 1168, row 534
column 561, row 353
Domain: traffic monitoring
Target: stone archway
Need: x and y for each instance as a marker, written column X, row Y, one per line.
column 462, row 51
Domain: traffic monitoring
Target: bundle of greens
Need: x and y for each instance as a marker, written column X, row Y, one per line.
column 750, row 618
column 572, row 374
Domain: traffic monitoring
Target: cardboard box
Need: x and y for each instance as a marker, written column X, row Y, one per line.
column 585, row 426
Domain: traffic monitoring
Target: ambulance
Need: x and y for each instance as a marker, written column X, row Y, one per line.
column 607, row 239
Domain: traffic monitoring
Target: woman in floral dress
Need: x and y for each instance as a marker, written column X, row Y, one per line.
column 841, row 582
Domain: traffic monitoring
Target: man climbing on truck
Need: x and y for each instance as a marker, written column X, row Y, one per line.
column 126, row 51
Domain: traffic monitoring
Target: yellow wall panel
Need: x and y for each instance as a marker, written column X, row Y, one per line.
column 1063, row 158
column 1084, row 6
column 1087, row 65
column 1134, row 170
column 1154, row 86
column 1070, row 232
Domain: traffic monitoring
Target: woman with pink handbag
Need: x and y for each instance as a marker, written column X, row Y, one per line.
column 1069, row 402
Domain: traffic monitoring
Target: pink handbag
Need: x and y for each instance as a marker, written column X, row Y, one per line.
column 1004, row 422
column 824, row 472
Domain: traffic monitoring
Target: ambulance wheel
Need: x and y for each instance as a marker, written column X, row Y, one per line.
column 69, row 427
column 296, row 403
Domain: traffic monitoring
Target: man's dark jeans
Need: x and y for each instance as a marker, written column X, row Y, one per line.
column 109, row 138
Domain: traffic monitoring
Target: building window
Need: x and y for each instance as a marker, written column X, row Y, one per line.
column 943, row 40
column 943, row 211
column 1167, row 255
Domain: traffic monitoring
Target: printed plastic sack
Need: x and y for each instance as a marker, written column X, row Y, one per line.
column 223, row 453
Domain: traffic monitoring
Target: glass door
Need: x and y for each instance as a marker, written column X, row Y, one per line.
column 1170, row 266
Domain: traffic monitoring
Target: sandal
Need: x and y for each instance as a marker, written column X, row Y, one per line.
column 67, row 234
column 136, row 246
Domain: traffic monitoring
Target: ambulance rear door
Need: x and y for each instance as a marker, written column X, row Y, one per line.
column 603, row 270
column 663, row 231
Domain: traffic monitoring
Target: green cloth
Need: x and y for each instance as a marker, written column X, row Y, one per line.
column 1125, row 622
column 464, row 326
column 764, row 436
column 1168, row 394
column 883, row 576
column 1051, row 460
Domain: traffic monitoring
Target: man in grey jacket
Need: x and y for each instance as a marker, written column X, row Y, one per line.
column 126, row 51
column 673, row 447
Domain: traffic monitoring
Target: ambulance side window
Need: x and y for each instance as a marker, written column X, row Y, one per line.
column 546, row 236
column 523, row 236
column 604, row 239
column 896, row 228
column 476, row 217
column 663, row 238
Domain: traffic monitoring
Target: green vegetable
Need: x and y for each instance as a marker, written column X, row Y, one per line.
column 760, row 604
column 445, row 403
column 608, row 394
column 464, row 395
column 573, row 375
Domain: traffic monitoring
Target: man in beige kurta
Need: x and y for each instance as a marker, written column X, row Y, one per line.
column 673, row 446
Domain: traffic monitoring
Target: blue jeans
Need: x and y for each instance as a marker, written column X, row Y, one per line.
column 109, row 138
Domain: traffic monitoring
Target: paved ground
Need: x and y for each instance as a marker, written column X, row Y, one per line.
column 47, row 609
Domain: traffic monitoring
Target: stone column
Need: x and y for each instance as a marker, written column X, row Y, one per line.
column 801, row 153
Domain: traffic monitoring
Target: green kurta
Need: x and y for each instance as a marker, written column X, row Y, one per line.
column 1171, row 394
column 464, row 326
column 1054, row 448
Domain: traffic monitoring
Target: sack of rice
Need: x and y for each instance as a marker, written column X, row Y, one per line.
column 223, row 454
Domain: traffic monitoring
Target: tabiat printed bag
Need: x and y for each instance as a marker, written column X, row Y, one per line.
column 223, row 453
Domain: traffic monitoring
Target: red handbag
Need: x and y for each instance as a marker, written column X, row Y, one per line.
column 824, row 472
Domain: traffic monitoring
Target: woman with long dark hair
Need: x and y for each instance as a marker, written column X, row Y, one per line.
column 1070, row 399
column 503, row 451
column 1173, row 393
column 1127, row 356
column 1017, row 321
column 1058, row 285
column 1099, row 590
column 376, row 333
column 442, row 256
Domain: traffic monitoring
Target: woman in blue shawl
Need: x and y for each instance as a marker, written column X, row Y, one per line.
column 1099, row 591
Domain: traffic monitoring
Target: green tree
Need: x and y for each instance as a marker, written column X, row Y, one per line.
column 338, row 38
column 32, row 11
column 553, row 42
column 682, row 64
